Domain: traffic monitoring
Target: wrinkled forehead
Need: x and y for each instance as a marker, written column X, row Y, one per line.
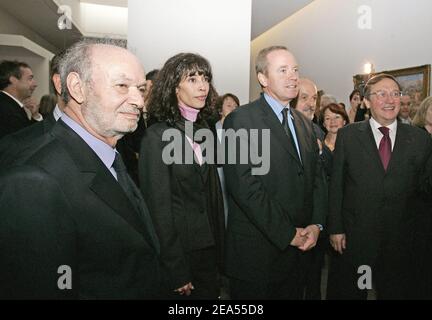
column 308, row 87
column 116, row 63
column 26, row 71
column 386, row 84
column 405, row 99
column 281, row 57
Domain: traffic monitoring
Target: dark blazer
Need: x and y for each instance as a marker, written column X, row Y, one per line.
column 264, row 210
column 12, row 116
column 374, row 207
column 20, row 142
column 185, row 201
column 62, row 206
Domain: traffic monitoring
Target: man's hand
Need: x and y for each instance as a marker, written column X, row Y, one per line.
column 310, row 233
column 186, row 289
column 319, row 145
column 298, row 240
column 31, row 105
column 338, row 242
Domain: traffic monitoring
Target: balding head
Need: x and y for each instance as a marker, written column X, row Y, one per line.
column 104, row 89
column 307, row 97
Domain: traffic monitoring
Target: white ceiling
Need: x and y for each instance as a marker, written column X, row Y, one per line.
column 116, row 3
column 41, row 16
column 265, row 13
column 268, row 13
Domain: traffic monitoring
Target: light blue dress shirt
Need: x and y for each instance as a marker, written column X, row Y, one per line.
column 104, row 151
column 277, row 108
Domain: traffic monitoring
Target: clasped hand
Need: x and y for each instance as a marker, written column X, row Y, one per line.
column 306, row 238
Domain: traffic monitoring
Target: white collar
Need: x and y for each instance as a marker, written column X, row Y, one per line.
column 17, row 101
column 375, row 125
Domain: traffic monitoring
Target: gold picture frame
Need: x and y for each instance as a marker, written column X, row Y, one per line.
column 415, row 81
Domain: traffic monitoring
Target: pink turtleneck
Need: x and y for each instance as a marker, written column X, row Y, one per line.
column 187, row 112
column 191, row 114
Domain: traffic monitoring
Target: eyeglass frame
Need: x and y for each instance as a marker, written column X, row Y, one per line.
column 386, row 95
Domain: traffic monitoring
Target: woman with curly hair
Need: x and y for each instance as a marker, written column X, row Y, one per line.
column 184, row 197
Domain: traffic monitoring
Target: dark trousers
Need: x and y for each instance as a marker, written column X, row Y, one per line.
column 286, row 289
column 205, row 276
column 312, row 264
column 391, row 278
column 342, row 280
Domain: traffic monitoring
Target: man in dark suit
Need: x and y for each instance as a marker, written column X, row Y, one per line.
column 83, row 230
column 16, row 85
column 277, row 211
column 14, row 144
column 379, row 171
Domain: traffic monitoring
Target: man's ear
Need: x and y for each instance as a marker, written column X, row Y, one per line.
column 13, row 80
column 262, row 79
column 57, row 83
column 75, row 87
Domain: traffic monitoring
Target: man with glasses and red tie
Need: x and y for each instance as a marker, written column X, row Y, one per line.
column 381, row 171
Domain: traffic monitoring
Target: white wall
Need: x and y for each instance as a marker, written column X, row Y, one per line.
column 10, row 25
column 218, row 30
column 330, row 48
column 113, row 20
column 75, row 7
column 14, row 47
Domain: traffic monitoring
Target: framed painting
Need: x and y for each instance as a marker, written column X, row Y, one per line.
column 414, row 81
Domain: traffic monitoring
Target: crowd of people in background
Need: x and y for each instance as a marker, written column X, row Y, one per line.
column 84, row 183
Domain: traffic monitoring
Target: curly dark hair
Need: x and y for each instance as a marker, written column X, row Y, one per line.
column 163, row 104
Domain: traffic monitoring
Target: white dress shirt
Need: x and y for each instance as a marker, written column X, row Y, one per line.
column 378, row 135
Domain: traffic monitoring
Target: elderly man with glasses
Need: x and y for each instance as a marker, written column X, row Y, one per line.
column 381, row 170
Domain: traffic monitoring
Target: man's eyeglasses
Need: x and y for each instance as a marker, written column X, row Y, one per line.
column 383, row 95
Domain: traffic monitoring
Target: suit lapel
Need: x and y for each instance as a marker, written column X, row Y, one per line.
column 146, row 217
column 367, row 140
column 301, row 135
column 99, row 179
column 277, row 131
column 195, row 165
column 110, row 192
column 403, row 139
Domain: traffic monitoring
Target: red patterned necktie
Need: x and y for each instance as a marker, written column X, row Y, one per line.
column 385, row 147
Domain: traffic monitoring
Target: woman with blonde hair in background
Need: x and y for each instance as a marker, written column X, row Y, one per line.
column 423, row 117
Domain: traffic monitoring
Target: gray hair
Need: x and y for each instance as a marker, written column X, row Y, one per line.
column 374, row 80
column 326, row 99
column 78, row 59
column 261, row 62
